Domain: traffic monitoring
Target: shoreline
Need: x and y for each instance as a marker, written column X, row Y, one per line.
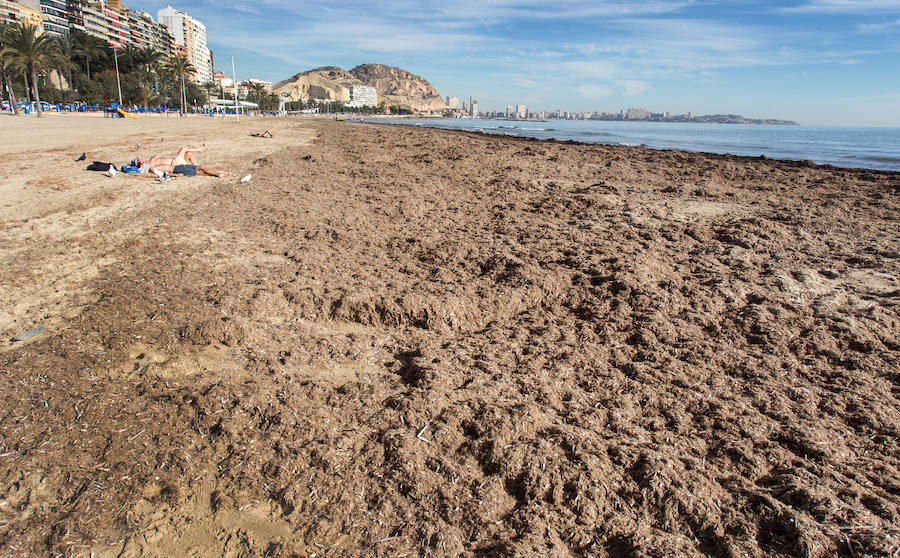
column 800, row 162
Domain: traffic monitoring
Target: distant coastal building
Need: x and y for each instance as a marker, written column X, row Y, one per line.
column 472, row 109
column 267, row 85
column 190, row 34
column 222, row 81
column 521, row 111
column 637, row 114
column 363, row 96
column 452, row 103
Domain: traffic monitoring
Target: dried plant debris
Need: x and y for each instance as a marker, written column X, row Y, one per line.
column 433, row 343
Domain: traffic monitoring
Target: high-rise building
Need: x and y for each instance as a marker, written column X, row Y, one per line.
column 521, row 111
column 54, row 13
column 473, row 108
column 105, row 20
column 452, row 103
column 363, row 96
column 74, row 15
column 9, row 11
column 26, row 11
column 146, row 33
column 189, row 34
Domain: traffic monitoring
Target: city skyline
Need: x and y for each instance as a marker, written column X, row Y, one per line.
column 813, row 61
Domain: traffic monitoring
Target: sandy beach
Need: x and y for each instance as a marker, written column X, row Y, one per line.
column 396, row 341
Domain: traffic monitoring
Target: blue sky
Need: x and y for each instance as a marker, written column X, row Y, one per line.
column 814, row 61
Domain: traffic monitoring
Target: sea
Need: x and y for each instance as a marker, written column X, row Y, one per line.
column 854, row 147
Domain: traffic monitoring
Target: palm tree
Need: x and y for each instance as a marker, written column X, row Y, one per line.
column 62, row 61
column 142, row 94
column 165, row 86
column 33, row 51
column 182, row 69
column 5, row 69
column 130, row 58
column 88, row 47
column 149, row 65
column 257, row 90
column 209, row 86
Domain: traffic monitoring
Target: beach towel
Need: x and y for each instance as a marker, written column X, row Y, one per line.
column 131, row 169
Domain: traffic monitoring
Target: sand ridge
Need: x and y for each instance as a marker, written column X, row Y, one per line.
column 401, row 341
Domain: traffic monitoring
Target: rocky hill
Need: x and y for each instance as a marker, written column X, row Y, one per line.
column 394, row 86
column 397, row 86
column 328, row 83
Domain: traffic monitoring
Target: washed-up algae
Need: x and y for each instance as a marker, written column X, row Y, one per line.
column 400, row 341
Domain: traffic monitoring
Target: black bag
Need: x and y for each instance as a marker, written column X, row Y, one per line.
column 98, row 166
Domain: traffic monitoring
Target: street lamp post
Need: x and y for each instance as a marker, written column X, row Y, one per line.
column 118, row 83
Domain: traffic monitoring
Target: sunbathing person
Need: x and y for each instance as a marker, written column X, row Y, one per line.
column 183, row 164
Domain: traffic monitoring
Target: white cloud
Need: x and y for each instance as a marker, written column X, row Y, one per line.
column 878, row 27
column 633, row 87
column 595, row 91
column 590, row 68
column 476, row 11
column 844, row 6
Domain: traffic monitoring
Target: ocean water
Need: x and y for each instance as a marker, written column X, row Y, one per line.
column 872, row 148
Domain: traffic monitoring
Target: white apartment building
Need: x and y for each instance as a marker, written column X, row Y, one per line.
column 521, row 111
column 452, row 103
column 637, row 114
column 190, row 34
column 363, row 96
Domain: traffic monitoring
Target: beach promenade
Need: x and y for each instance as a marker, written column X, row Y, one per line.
column 400, row 341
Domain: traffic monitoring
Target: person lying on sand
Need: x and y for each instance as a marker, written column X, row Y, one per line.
column 183, row 164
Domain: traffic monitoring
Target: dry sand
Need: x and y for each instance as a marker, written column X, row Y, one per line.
column 413, row 342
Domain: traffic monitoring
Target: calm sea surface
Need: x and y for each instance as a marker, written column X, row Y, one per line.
column 874, row 148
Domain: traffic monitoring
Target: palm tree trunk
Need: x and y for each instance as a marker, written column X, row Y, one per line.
column 12, row 94
column 37, row 95
column 182, row 96
column 87, row 60
column 27, row 87
column 4, row 76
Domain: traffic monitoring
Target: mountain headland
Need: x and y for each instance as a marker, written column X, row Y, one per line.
column 394, row 86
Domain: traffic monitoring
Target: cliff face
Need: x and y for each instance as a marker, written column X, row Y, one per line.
column 399, row 87
column 328, row 83
column 394, row 86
